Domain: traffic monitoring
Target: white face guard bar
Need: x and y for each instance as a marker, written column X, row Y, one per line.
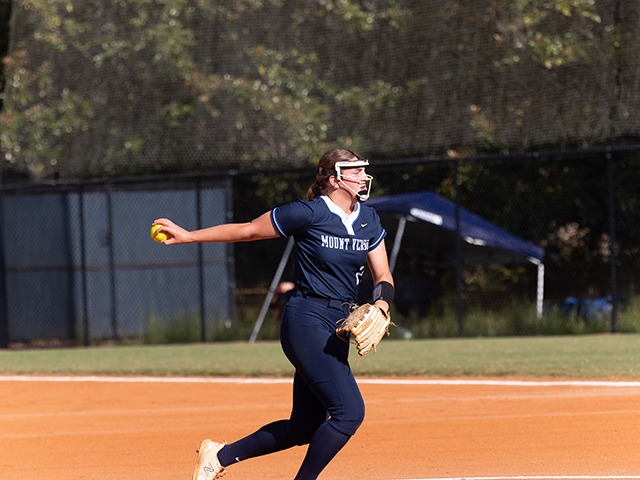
column 364, row 194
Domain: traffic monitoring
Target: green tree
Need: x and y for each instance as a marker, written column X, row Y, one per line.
column 126, row 86
column 5, row 15
column 164, row 84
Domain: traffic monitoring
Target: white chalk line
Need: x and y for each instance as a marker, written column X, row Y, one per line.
column 370, row 381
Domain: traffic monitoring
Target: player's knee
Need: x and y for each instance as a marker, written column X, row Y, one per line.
column 347, row 426
column 350, row 420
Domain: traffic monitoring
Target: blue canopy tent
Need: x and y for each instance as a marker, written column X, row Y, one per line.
column 438, row 225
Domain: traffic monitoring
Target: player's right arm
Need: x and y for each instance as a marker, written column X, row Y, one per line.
column 259, row 228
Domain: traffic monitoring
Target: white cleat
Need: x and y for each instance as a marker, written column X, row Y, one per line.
column 208, row 466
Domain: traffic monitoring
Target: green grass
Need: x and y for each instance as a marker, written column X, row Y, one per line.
column 600, row 356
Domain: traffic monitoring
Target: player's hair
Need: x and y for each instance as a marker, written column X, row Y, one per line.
column 326, row 168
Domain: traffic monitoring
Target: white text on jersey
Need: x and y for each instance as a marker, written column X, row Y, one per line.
column 339, row 243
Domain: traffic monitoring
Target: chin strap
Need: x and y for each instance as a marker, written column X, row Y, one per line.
column 362, row 195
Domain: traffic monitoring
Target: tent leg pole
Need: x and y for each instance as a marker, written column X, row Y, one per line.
column 396, row 243
column 272, row 289
column 540, row 292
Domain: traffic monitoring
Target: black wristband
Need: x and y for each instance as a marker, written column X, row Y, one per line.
column 384, row 291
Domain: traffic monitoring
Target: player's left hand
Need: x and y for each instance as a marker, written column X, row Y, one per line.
column 368, row 324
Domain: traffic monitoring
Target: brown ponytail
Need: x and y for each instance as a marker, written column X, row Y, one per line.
column 315, row 190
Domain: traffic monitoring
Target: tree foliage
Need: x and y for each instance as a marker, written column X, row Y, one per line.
column 124, row 86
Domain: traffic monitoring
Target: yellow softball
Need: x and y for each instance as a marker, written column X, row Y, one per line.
column 160, row 236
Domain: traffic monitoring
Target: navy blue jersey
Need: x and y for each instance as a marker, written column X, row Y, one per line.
column 331, row 246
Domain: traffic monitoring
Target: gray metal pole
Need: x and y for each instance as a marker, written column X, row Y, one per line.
column 201, row 290
column 613, row 274
column 459, row 259
column 112, row 266
column 397, row 241
column 86, row 335
column 272, row 289
column 4, row 320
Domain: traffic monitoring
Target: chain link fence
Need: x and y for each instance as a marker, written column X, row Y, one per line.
column 123, row 88
column 79, row 265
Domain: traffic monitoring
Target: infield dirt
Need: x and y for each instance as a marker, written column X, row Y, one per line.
column 150, row 430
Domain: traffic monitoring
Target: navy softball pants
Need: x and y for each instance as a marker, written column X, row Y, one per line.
column 327, row 405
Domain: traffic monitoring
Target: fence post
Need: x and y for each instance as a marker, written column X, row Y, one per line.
column 459, row 259
column 4, row 320
column 613, row 274
column 83, row 269
column 201, row 291
column 112, row 267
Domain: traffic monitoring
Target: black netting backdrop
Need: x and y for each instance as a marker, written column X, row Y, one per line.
column 115, row 112
column 123, row 86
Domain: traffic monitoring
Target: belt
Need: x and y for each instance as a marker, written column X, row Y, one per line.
column 329, row 302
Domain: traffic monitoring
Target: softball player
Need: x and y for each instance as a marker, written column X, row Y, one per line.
column 335, row 236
